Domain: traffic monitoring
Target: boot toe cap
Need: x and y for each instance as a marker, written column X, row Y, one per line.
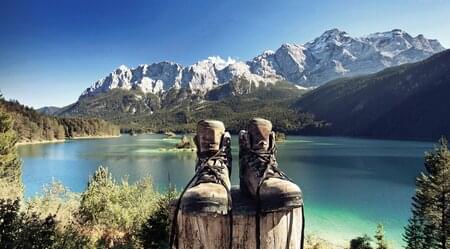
column 278, row 193
column 205, row 197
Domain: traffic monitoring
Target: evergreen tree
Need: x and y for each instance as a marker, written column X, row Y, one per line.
column 379, row 237
column 429, row 225
column 10, row 165
column 414, row 233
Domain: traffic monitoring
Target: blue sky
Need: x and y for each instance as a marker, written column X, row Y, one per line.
column 50, row 51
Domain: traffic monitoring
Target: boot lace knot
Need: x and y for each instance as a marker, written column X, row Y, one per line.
column 211, row 169
column 265, row 163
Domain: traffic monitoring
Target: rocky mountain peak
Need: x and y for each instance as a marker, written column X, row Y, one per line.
column 332, row 55
column 334, row 34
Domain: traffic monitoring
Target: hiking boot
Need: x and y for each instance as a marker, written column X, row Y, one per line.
column 260, row 177
column 209, row 190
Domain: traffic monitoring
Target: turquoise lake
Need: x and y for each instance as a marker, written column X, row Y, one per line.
column 349, row 185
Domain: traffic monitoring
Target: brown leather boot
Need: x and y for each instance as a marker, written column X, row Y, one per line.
column 209, row 190
column 260, row 177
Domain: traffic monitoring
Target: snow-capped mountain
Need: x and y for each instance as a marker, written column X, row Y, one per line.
column 159, row 77
column 332, row 55
column 336, row 54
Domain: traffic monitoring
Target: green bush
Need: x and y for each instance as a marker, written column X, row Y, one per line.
column 23, row 230
column 69, row 237
column 108, row 214
column 155, row 231
column 114, row 212
column 58, row 200
column 9, row 225
column 361, row 243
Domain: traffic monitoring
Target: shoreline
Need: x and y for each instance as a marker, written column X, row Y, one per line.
column 93, row 137
column 65, row 140
column 41, row 142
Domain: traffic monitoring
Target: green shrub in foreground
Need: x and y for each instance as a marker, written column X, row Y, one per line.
column 361, row 243
column 113, row 212
column 155, row 231
column 23, row 229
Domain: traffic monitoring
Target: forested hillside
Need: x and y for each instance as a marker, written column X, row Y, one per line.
column 411, row 101
column 33, row 126
column 180, row 109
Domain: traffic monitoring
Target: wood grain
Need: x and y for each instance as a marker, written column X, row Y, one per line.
column 279, row 230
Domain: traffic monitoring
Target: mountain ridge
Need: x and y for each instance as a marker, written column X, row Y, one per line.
column 333, row 54
column 407, row 101
column 355, row 105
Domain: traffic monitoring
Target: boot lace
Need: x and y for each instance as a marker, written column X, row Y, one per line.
column 266, row 166
column 211, row 169
column 208, row 169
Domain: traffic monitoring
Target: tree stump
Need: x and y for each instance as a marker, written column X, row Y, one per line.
column 278, row 230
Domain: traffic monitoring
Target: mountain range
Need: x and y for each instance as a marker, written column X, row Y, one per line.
column 406, row 99
column 332, row 55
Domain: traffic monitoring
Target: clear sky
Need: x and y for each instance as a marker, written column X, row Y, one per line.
column 50, row 51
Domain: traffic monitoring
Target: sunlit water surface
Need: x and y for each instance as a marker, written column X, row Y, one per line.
column 349, row 185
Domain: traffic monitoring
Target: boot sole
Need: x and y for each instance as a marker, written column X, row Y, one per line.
column 280, row 203
column 277, row 203
column 217, row 206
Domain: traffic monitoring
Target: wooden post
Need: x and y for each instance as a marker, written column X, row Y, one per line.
column 279, row 230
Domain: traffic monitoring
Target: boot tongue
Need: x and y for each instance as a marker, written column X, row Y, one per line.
column 259, row 130
column 209, row 134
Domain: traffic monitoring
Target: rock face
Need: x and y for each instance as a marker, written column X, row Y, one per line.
column 336, row 54
column 332, row 55
column 153, row 78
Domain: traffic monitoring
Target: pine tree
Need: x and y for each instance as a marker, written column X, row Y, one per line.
column 414, row 233
column 10, row 164
column 437, row 164
column 429, row 226
column 379, row 237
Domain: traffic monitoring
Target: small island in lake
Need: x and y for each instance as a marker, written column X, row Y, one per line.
column 186, row 143
column 280, row 137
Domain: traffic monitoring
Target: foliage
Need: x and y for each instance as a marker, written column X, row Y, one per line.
column 415, row 235
column 361, row 243
column 10, row 164
column 379, row 237
column 155, row 231
column 314, row 242
column 58, row 200
column 179, row 110
column 429, row 225
column 107, row 215
column 409, row 101
column 116, row 211
column 71, row 237
column 23, row 230
column 82, row 127
column 33, row 126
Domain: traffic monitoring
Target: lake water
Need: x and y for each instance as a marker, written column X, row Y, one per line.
column 349, row 185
